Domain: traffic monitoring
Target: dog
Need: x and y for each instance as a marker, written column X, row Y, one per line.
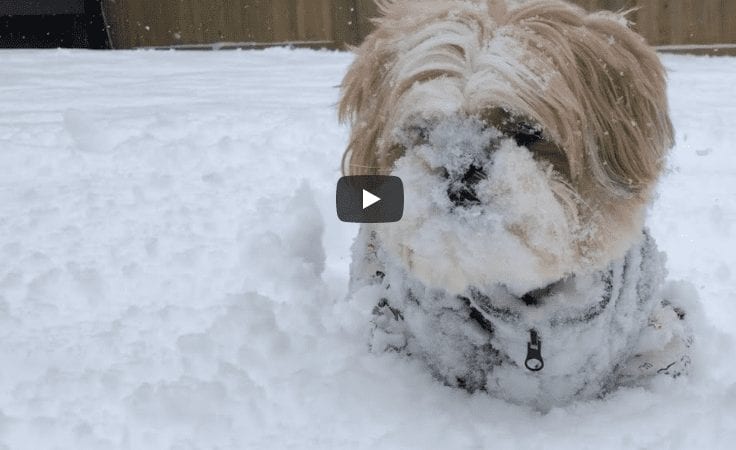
column 529, row 137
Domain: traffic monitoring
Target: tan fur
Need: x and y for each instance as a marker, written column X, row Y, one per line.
column 595, row 87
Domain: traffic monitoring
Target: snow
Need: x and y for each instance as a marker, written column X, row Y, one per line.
column 173, row 274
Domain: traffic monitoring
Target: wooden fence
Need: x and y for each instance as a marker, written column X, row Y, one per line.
column 146, row 23
column 334, row 23
column 678, row 22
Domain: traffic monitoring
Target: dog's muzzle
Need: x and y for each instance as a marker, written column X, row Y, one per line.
column 462, row 190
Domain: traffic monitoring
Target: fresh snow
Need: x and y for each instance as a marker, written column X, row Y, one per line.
column 173, row 274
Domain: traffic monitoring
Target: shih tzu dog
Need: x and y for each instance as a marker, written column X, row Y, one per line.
column 529, row 137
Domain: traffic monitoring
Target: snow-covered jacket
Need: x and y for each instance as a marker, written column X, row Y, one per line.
column 574, row 339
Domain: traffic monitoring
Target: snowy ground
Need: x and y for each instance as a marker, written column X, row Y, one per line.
column 172, row 273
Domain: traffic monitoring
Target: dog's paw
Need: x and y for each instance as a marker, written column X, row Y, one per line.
column 389, row 330
column 673, row 360
column 664, row 347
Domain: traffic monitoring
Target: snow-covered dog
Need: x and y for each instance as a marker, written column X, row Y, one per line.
column 529, row 138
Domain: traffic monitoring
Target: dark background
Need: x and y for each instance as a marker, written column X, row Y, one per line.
column 52, row 23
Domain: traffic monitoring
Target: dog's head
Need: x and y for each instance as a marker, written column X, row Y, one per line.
column 529, row 138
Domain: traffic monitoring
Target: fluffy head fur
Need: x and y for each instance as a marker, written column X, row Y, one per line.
column 573, row 110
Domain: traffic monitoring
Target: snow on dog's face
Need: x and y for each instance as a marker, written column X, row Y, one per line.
column 528, row 139
column 480, row 208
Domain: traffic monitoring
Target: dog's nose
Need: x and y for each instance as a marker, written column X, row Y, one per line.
column 462, row 190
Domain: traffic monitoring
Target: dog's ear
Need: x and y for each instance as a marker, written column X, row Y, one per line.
column 627, row 98
column 366, row 89
column 361, row 99
column 619, row 84
column 360, row 104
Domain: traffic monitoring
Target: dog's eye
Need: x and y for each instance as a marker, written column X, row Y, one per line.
column 527, row 135
column 552, row 154
column 417, row 134
column 531, row 137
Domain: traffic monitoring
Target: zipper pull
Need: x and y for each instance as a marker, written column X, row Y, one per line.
column 534, row 361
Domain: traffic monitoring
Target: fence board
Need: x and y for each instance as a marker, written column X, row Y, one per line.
column 334, row 23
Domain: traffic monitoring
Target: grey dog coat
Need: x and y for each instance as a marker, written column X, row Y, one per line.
column 575, row 339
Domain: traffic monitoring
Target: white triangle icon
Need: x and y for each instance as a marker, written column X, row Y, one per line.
column 369, row 199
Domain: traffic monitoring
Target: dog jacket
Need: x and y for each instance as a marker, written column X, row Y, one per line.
column 575, row 339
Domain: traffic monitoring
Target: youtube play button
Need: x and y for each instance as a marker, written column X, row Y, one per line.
column 370, row 199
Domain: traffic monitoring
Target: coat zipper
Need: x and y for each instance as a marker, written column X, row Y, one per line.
column 534, row 361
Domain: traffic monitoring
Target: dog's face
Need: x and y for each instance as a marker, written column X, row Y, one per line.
column 528, row 139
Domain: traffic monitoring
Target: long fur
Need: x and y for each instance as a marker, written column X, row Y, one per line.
column 594, row 61
column 595, row 88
